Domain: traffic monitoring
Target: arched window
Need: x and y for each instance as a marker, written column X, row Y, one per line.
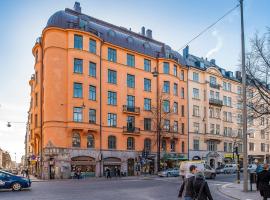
column 130, row 143
column 76, row 140
column 147, row 144
column 112, row 142
column 164, row 145
column 173, row 145
column 90, row 141
column 183, row 147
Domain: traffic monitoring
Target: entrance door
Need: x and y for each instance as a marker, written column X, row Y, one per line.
column 212, row 163
column 131, row 167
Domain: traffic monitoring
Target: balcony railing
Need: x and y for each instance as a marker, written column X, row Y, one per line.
column 215, row 102
column 131, row 109
column 131, row 129
column 214, row 85
column 211, row 136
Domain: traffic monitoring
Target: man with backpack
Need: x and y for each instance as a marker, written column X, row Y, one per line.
column 202, row 191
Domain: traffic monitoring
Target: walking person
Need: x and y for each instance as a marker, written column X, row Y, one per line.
column 263, row 179
column 187, row 189
column 201, row 188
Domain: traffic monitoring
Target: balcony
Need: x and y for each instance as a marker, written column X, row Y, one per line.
column 214, row 85
column 215, row 102
column 131, row 129
column 131, row 110
column 210, row 136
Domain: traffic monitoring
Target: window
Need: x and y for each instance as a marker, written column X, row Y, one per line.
column 77, row 114
column 130, row 123
column 225, row 147
column 175, row 107
column 240, row 148
column 78, row 42
column 92, row 69
column 262, row 121
column 92, row 92
column 112, row 98
column 112, row 76
column 130, row 101
column 183, row 147
column 36, row 120
column 196, row 127
column 239, row 105
column 78, row 66
column 213, row 80
column 90, row 141
column 227, row 86
column 182, row 95
column 92, row 46
column 147, row 124
column 166, row 125
column 147, row 85
column 196, row 111
column 218, row 111
column 175, row 70
column 211, row 112
column 217, row 129
column 130, row 143
column 147, row 65
column 230, row 148
column 175, row 126
column 251, row 146
column 195, row 77
column 183, row 128
column 166, row 106
column 196, row 145
column 166, row 68
column 166, row 86
column 92, row 116
column 172, row 145
column 76, row 140
column 229, row 102
column 147, row 104
column 112, row 119
column 262, row 147
column 130, row 60
column 112, row 142
column 239, row 90
column 36, row 99
column 212, row 128
column 77, row 90
column 182, row 111
column 164, row 145
column 267, row 148
column 251, row 135
column 239, row 119
column 182, row 75
column 211, row 146
column 195, row 93
column 175, row 89
column 131, row 81
column 112, row 55
column 262, row 134
column 240, row 133
column 147, row 144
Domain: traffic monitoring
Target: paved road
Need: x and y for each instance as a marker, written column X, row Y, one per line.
column 123, row 189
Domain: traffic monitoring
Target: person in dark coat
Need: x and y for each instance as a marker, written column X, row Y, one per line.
column 263, row 179
column 187, row 189
column 202, row 191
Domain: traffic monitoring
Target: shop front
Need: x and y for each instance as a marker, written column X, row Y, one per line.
column 172, row 160
column 85, row 164
column 111, row 163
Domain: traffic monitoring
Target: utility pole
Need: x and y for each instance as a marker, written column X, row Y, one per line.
column 245, row 173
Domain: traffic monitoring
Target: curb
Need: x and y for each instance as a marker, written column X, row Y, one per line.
column 220, row 190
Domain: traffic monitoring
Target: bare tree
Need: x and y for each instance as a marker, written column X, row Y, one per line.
column 258, row 75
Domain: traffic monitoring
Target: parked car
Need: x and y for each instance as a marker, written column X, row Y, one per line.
column 201, row 166
column 220, row 169
column 169, row 172
column 11, row 181
column 230, row 168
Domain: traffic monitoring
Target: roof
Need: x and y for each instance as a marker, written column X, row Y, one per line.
column 71, row 19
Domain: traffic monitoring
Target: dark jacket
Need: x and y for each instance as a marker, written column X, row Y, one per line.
column 205, row 194
column 263, row 179
column 187, row 187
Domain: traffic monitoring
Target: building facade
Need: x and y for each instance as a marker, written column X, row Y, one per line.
column 93, row 99
column 215, row 112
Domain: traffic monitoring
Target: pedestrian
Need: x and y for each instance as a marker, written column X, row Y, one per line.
column 201, row 188
column 263, row 180
column 118, row 172
column 78, row 173
column 23, row 172
column 187, row 189
column 108, row 173
column 27, row 173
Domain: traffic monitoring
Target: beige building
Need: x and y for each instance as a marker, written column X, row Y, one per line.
column 214, row 111
column 1, row 158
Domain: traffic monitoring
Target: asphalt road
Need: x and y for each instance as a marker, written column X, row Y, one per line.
column 116, row 189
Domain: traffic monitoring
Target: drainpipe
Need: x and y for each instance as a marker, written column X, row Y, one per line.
column 188, row 112
column 41, row 111
column 100, row 108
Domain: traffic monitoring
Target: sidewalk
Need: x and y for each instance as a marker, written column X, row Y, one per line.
column 235, row 191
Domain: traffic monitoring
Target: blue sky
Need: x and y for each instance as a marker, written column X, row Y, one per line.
column 172, row 21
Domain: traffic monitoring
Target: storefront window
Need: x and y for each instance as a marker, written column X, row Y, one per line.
column 147, row 144
column 76, row 140
column 90, row 141
column 130, row 143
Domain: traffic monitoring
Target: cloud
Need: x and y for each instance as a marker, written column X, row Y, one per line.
column 218, row 45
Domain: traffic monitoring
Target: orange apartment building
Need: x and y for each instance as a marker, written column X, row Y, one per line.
column 92, row 95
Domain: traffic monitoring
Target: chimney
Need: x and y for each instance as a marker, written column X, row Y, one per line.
column 186, row 51
column 149, row 33
column 77, row 7
column 143, row 31
column 213, row 61
column 238, row 75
